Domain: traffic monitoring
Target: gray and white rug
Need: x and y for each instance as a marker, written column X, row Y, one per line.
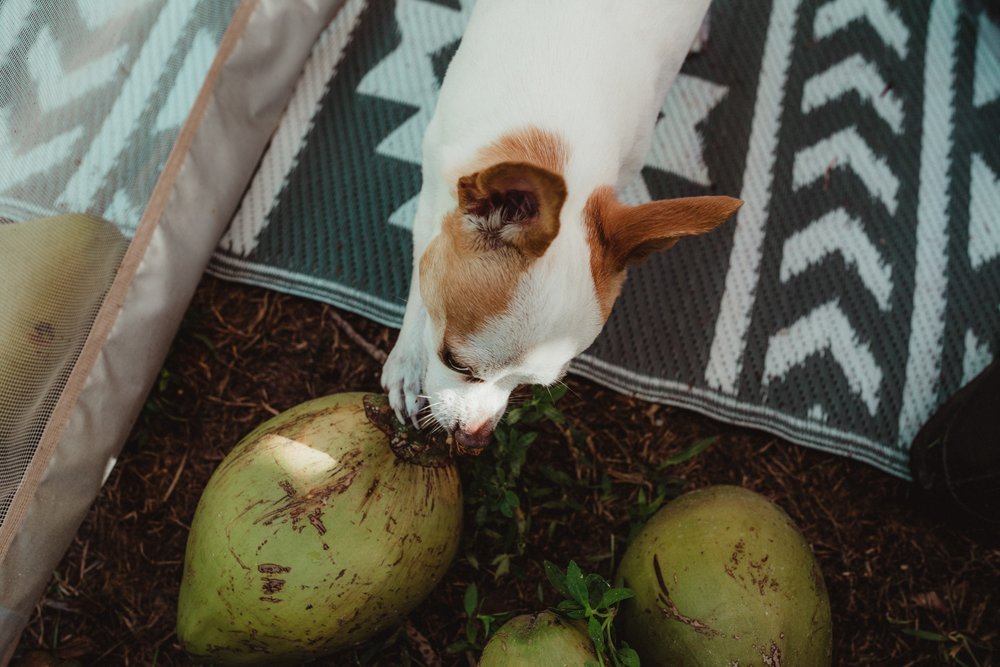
column 860, row 284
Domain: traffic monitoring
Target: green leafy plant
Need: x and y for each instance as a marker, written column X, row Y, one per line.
column 492, row 482
column 479, row 627
column 540, row 406
column 590, row 598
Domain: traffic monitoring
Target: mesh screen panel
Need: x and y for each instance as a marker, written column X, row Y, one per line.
column 92, row 96
column 56, row 272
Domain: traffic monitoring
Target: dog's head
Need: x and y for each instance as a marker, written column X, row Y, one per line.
column 522, row 278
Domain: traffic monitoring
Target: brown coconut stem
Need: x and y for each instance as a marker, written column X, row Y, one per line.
column 431, row 450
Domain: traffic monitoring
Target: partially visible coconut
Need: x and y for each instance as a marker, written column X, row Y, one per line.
column 55, row 274
column 722, row 576
column 321, row 528
column 544, row 639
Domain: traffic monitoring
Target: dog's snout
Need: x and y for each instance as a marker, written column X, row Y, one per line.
column 473, row 442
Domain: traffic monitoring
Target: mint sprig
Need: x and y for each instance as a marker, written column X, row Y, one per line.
column 590, row 598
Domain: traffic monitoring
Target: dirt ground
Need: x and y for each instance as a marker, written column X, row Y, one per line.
column 907, row 585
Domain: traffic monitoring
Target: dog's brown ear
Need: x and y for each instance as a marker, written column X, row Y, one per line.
column 629, row 234
column 515, row 203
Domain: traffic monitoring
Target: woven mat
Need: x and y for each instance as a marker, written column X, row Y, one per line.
column 859, row 286
column 92, row 96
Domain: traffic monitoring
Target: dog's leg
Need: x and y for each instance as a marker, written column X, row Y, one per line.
column 403, row 373
column 404, row 369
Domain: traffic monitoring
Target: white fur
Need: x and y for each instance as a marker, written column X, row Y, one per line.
column 593, row 72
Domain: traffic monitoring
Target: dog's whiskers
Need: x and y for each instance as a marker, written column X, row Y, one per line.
column 425, row 417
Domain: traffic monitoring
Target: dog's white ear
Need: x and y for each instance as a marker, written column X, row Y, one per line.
column 516, row 203
column 629, row 234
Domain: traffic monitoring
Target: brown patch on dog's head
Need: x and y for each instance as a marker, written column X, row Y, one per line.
column 533, row 145
column 464, row 284
column 621, row 236
column 507, row 215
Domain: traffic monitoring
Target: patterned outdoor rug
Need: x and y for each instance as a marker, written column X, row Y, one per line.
column 860, row 284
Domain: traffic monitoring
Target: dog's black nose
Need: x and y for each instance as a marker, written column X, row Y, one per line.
column 472, row 443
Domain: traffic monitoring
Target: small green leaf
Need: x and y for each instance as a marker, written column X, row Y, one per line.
column 502, row 563
column 627, row 656
column 690, row 452
column 596, row 586
column 553, row 414
column 568, row 606
column 164, row 380
column 557, row 578
column 560, row 477
column 925, row 634
column 575, row 583
column 471, row 600
column 613, row 596
column 509, row 503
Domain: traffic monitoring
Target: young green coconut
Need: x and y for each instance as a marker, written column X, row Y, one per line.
column 324, row 526
column 722, row 576
column 544, row 639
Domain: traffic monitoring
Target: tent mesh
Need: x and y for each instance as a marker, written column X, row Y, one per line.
column 92, row 96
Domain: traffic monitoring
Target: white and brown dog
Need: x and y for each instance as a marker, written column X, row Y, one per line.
column 520, row 245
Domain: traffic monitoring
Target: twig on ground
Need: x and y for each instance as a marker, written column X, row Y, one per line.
column 377, row 354
column 173, row 482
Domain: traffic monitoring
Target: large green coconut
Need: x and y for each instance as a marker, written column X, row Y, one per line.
column 722, row 576
column 321, row 528
column 544, row 639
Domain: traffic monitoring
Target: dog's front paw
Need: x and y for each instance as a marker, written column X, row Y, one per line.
column 403, row 380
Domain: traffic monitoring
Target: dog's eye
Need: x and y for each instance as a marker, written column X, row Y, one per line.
column 451, row 362
column 448, row 359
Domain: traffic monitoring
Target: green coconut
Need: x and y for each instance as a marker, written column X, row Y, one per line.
column 722, row 576
column 55, row 273
column 544, row 639
column 324, row 526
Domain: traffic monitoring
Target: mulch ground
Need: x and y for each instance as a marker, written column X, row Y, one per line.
column 907, row 585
